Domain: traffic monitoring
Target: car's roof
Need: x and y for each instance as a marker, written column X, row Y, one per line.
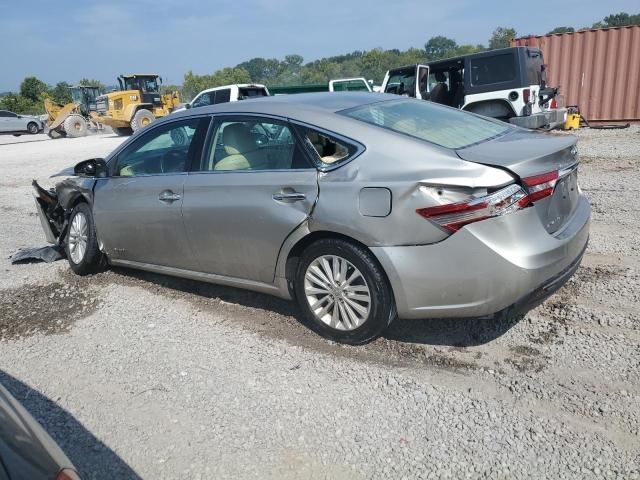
column 314, row 108
column 239, row 85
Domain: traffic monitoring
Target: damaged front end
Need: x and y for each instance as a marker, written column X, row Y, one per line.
column 51, row 214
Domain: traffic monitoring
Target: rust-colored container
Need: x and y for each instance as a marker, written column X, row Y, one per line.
column 597, row 70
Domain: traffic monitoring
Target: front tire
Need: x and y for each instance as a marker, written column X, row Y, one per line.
column 141, row 119
column 32, row 128
column 81, row 244
column 75, row 126
column 343, row 292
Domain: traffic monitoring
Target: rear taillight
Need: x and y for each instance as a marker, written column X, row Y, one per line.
column 526, row 95
column 453, row 216
column 541, row 186
column 553, row 104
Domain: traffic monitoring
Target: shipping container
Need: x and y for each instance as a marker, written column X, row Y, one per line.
column 598, row 70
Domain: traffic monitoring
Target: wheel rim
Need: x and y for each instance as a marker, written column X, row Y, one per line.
column 145, row 121
column 78, row 237
column 337, row 293
column 33, row 128
column 78, row 126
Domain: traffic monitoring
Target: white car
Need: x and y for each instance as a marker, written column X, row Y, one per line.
column 16, row 124
column 224, row 94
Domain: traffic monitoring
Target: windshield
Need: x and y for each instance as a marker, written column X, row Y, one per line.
column 145, row 84
column 447, row 127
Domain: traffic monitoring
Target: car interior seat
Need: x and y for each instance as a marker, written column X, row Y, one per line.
column 240, row 149
column 440, row 92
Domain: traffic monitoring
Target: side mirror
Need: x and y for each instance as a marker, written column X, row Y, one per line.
column 94, row 167
column 187, row 106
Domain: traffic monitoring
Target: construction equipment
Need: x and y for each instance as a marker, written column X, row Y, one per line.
column 135, row 105
column 73, row 119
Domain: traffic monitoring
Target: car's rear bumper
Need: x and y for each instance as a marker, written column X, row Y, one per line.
column 549, row 119
column 487, row 266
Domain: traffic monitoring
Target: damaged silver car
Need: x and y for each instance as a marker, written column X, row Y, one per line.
column 362, row 208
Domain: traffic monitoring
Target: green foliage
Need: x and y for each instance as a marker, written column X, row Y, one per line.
column 621, row 19
column 60, row 93
column 228, row 75
column 562, row 30
column 33, row 89
column 90, row 82
column 500, row 37
column 19, row 104
column 440, row 47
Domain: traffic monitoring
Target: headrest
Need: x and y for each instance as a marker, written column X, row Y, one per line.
column 237, row 139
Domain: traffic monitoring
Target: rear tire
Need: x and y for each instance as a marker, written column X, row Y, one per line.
column 81, row 245
column 32, row 128
column 141, row 119
column 343, row 292
column 75, row 126
column 54, row 134
column 122, row 131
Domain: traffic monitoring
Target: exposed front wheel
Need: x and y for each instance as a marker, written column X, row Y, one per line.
column 32, row 128
column 141, row 119
column 343, row 292
column 81, row 246
column 75, row 126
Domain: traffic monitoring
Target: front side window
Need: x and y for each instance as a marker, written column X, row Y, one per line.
column 253, row 144
column 162, row 150
column 493, row 69
column 402, row 83
column 203, row 100
column 446, row 127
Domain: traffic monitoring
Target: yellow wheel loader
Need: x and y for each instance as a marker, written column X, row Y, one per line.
column 73, row 119
column 137, row 103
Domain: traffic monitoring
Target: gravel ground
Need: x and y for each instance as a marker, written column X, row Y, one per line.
column 143, row 375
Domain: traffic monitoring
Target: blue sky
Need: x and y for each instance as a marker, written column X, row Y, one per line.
column 67, row 40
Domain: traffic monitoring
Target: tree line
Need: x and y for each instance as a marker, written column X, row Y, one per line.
column 292, row 70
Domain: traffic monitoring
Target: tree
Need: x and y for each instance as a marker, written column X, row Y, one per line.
column 562, row 30
column 60, row 93
column 500, row 37
column 193, row 84
column 90, row 82
column 440, row 47
column 33, row 89
column 621, row 19
column 468, row 49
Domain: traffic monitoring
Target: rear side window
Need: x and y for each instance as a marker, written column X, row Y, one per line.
column 251, row 92
column 326, row 149
column 447, row 127
column 493, row 69
column 223, row 96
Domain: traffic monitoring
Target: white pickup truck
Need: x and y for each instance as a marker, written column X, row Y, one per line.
column 508, row 83
column 224, row 94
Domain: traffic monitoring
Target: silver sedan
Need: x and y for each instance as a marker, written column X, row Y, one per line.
column 18, row 124
column 361, row 207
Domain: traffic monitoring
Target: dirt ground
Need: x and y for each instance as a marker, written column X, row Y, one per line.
column 140, row 375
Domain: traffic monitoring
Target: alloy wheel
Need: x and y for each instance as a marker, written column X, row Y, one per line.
column 78, row 237
column 337, row 292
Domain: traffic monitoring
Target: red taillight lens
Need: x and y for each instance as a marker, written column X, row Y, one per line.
column 553, row 104
column 526, row 95
column 541, row 186
column 453, row 216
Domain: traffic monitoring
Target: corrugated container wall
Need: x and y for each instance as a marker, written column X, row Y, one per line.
column 598, row 70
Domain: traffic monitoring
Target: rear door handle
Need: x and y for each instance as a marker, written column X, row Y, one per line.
column 169, row 197
column 289, row 197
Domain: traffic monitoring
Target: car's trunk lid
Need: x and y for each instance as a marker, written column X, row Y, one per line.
column 528, row 154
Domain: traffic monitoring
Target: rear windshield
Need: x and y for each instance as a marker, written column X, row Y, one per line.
column 493, row 69
column 447, row 127
column 250, row 92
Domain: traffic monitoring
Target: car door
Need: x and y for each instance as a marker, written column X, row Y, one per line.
column 253, row 187
column 137, row 209
column 4, row 121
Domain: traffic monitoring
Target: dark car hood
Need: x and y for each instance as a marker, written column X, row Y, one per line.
column 523, row 152
column 26, row 450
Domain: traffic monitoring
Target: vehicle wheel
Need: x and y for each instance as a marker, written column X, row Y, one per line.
column 141, row 119
column 32, row 128
column 55, row 134
column 343, row 292
column 75, row 126
column 81, row 246
column 122, row 131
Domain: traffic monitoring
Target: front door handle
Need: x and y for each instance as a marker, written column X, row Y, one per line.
column 169, row 197
column 289, row 196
